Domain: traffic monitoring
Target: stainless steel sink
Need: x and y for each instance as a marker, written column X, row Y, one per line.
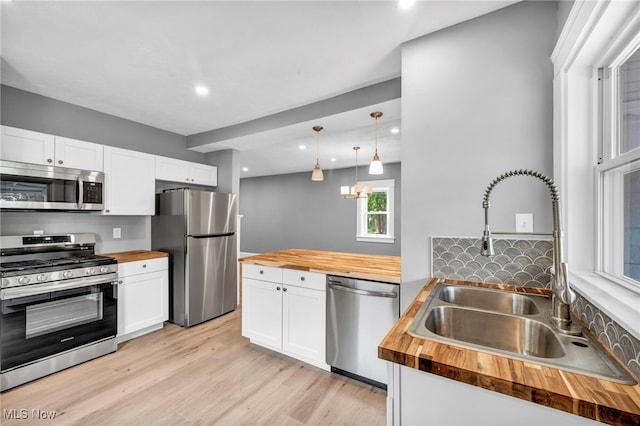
column 516, row 326
column 490, row 300
column 508, row 333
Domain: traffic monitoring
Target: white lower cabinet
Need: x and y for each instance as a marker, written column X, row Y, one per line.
column 421, row 398
column 284, row 310
column 143, row 292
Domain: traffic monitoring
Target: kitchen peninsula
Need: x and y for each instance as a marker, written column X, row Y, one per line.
column 288, row 307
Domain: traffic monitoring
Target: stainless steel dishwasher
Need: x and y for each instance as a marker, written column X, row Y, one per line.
column 359, row 315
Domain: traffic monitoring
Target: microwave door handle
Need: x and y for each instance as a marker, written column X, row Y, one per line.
column 80, row 192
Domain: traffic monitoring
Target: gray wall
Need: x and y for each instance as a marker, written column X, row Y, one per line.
column 291, row 211
column 476, row 101
column 30, row 111
column 136, row 230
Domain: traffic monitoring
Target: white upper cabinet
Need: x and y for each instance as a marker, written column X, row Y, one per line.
column 77, row 154
column 27, row 146
column 129, row 182
column 174, row 170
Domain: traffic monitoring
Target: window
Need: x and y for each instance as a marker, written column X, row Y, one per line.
column 375, row 213
column 619, row 169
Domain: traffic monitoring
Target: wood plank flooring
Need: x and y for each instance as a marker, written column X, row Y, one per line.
column 205, row 375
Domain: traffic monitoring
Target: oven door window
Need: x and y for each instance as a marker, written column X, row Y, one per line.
column 45, row 318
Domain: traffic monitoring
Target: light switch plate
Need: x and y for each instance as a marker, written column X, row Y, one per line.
column 524, row 222
column 117, row 233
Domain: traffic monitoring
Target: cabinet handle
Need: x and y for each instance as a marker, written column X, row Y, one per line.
column 107, row 211
column 284, row 289
column 277, row 288
column 144, row 266
column 60, row 161
column 49, row 160
column 119, row 281
column 301, row 278
column 261, row 272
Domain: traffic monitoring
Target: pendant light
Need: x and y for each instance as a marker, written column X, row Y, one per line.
column 376, row 165
column 357, row 190
column 317, row 174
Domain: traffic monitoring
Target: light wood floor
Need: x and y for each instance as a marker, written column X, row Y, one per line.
column 204, row 375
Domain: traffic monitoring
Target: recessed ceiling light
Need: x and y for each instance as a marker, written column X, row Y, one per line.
column 302, row 147
column 406, row 4
column 202, row 91
column 395, row 130
column 245, row 169
column 333, row 159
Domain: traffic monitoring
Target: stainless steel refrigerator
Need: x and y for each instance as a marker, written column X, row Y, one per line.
column 198, row 230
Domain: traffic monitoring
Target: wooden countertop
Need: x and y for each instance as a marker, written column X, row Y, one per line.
column 135, row 255
column 585, row 396
column 363, row 266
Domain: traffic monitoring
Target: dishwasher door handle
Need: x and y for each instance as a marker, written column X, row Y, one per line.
column 364, row 292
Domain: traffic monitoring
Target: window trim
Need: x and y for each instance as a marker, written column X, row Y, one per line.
column 387, row 185
column 595, row 35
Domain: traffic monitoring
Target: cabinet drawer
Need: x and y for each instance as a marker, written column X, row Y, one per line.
column 263, row 273
column 142, row 267
column 305, row 279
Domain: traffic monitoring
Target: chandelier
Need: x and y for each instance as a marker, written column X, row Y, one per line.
column 357, row 190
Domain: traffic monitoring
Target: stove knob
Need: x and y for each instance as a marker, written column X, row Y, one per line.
column 104, row 269
column 24, row 280
column 41, row 277
column 91, row 271
column 67, row 274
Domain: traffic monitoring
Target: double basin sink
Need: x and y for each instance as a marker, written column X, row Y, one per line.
column 514, row 325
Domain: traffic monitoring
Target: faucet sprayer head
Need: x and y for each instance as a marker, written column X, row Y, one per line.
column 487, row 244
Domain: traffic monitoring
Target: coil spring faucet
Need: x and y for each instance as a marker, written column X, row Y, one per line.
column 563, row 295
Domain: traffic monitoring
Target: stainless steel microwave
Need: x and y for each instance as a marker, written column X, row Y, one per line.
column 25, row 186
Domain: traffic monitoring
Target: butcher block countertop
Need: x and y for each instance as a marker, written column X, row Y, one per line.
column 363, row 266
column 135, row 255
column 585, row 396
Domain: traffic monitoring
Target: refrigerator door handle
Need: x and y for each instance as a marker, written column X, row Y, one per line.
column 228, row 234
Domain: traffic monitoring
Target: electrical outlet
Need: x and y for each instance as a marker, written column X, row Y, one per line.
column 524, row 222
column 117, row 232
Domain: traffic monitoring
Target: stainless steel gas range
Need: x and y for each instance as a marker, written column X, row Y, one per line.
column 58, row 305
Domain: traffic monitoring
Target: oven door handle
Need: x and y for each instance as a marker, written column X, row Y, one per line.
column 33, row 290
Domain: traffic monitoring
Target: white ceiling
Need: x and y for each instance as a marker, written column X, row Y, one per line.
column 141, row 61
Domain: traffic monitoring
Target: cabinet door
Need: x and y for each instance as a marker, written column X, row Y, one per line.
column 77, row 154
column 172, row 170
column 129, row 182
column 26, row 146
column 142, row 301
column 203, row 174
column 262, row 312
column 303, row 322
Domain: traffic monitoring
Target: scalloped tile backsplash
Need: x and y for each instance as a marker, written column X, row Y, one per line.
column 527, row 263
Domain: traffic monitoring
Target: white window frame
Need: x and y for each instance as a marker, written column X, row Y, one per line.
column 598, row 34
column 388, row 186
